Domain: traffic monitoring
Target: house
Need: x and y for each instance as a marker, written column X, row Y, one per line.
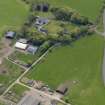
column 21, row 44
column 41, row 21
column 32, row 49
column 10, row 34
column 29, row 99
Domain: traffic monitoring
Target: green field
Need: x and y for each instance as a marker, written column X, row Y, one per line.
column 89, row 8
column 82, row 62
column 12, row 13
column 8, row 73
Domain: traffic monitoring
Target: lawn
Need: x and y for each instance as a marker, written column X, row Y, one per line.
column 81, row 62
column 57, row 26
column 12, row 13
column 24, row 57
column 89, row 8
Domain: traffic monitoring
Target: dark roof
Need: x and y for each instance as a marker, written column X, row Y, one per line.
column 10, row 34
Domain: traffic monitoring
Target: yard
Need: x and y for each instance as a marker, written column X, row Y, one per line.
column 80, row 62
column 12, row 13
column 59, row 26
column 89, row 8
column 8, row 73
column 24, row 57
column 16, row 93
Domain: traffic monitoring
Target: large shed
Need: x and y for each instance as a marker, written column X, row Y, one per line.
column 21, row 46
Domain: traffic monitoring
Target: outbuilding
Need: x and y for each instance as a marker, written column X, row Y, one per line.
column 62, row 89
column 10, row 34
column 21, row 46
column 32, row 49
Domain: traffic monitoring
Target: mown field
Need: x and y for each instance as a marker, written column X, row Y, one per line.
column 89, row 8
column 81, row 62
column 12, row 13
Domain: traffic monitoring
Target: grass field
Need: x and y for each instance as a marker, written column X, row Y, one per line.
column 12, row 13
column 81, row 62
column 89, row 8
column 8, row 73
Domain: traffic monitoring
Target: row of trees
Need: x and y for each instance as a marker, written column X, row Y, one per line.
column 67, row 14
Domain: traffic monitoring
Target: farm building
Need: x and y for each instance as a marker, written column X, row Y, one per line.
column 10, row 34
column 62, row 89
column 21, row 44
column 32, row 49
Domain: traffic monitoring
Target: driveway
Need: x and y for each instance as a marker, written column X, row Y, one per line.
column 5, row 49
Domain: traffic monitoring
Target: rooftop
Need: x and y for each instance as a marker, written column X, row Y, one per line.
column 10, row 34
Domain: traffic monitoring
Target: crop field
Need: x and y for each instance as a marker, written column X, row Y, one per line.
column 89, row 8
column 12, row 13
column 79, row 62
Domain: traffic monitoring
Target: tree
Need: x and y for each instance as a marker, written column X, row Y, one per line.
column 75, row 33
column 63, row 14
column 80, row 20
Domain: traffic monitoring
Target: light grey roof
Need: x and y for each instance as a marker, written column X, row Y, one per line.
column 22, row 40
column 42, row 21
column 32, row 49
column 29, row 100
